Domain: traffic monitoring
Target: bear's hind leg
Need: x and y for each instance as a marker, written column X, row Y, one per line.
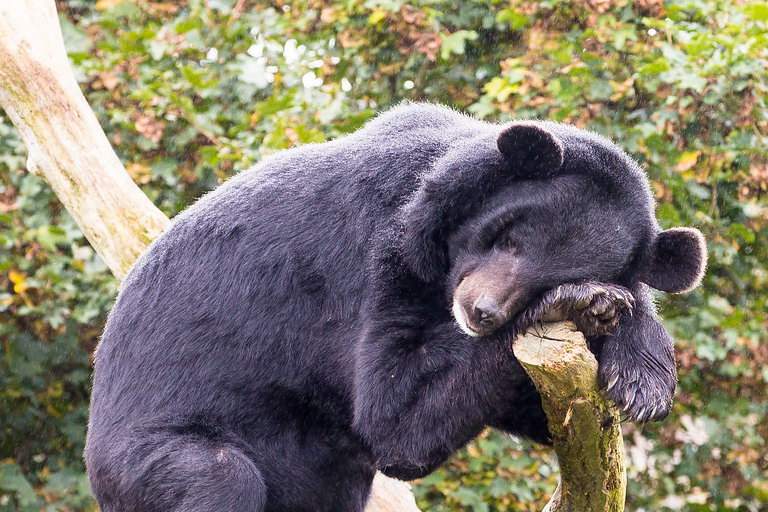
column 170, row 471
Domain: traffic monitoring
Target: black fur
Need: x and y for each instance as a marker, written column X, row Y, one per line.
column 291, row 332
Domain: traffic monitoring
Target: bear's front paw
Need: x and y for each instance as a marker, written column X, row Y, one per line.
column 595, row 308
column 643, row 391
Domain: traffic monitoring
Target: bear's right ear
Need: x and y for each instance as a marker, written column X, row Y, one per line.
column 531, row 150
column 676, row 260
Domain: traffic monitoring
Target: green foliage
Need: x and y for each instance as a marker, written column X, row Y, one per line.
column 192, row 92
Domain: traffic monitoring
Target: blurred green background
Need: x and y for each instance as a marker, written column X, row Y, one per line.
column 192, row 92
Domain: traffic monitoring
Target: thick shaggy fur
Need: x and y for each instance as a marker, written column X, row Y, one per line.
column 292, row 331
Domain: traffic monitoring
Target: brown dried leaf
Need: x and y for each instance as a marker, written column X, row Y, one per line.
column 8, row 200
column 162, row 7
column 744, row 117
column 139, row 172
column 329, row 15
column 150, row 127
column 412, row 16
column 428, row 43
column 104, row 5
column 650, row 7
column 352, row 38
column 109, row 80
column 758, row 173
column 687, row 160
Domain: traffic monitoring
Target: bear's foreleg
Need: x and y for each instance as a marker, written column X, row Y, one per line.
column 637, row 363
column 417, row 405
column 422, row 387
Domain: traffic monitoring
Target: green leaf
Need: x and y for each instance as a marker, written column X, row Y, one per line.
column 512, row 18
column 655, row 67
column 455, row 43
column 51, row 236
column 12, row 479
column 275, row 104
column 757, row 11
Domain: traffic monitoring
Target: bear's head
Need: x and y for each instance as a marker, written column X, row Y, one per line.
column 520, row 209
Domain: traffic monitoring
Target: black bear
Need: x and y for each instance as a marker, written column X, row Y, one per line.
column 350, row 306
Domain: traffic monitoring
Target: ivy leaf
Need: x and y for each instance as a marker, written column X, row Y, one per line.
column 12, row 479
column 455, row 43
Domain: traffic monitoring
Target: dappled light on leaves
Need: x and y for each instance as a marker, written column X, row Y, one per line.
column 191, row 93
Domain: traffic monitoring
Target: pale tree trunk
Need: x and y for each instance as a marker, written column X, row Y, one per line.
column 68, row 148
column 64, row 140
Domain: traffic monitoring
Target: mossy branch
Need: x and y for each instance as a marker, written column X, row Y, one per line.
column 584, row 425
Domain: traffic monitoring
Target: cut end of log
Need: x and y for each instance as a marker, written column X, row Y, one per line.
column 558, row 354
column 552, row 344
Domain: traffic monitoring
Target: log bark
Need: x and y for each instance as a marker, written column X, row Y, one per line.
column 584, row 425
column 67, row 146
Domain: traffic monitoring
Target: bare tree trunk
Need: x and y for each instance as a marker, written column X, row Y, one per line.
column 67, row 146
column 65, row 142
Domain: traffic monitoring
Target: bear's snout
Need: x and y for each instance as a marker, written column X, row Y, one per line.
column 480, row 317
column 486, row 314
column 487, row 297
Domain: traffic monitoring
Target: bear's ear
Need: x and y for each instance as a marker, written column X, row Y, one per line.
column 531, row 150
column 676, row 261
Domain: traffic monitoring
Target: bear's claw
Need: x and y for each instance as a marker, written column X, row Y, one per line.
column 642, row 394
column 606, row 306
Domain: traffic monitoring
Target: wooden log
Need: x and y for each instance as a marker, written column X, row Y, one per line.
column 584, row 425
column 390, row 495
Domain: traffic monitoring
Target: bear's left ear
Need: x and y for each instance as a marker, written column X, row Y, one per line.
column 676, row 261
column 531, row 150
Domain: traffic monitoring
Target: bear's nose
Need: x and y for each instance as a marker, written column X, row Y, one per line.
column 486, row 314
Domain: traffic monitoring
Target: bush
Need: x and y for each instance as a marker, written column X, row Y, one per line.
column 192, row 92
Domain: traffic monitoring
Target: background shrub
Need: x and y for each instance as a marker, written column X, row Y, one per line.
column 193, row 92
